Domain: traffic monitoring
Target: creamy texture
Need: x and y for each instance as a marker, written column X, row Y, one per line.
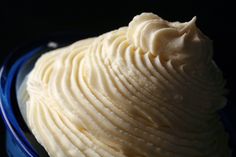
column 147, row 90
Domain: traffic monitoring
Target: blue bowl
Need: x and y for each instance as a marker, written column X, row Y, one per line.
column 19, row 140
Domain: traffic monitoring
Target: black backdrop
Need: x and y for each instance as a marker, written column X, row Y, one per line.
column 27, row 20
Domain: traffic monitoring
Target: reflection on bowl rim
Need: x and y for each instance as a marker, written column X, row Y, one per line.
column 6, row 81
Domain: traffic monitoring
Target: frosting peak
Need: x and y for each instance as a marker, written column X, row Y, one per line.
column 147, row 90
column 181, row 42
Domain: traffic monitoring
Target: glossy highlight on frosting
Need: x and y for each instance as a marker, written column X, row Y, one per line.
column 150, row 89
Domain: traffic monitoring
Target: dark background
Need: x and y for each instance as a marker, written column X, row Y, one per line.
column 24, row 21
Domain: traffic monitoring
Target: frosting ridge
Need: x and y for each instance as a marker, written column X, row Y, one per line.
column 150, row 89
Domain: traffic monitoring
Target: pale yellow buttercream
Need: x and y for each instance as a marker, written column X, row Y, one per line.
column 147, row 90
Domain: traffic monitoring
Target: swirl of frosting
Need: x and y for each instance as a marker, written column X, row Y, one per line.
column 174, row 40
column 147, row 90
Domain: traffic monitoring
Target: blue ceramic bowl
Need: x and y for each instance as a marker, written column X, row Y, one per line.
column 19, row 141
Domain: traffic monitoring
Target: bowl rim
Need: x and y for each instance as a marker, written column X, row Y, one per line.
column 6, row 80
column 8, row 71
